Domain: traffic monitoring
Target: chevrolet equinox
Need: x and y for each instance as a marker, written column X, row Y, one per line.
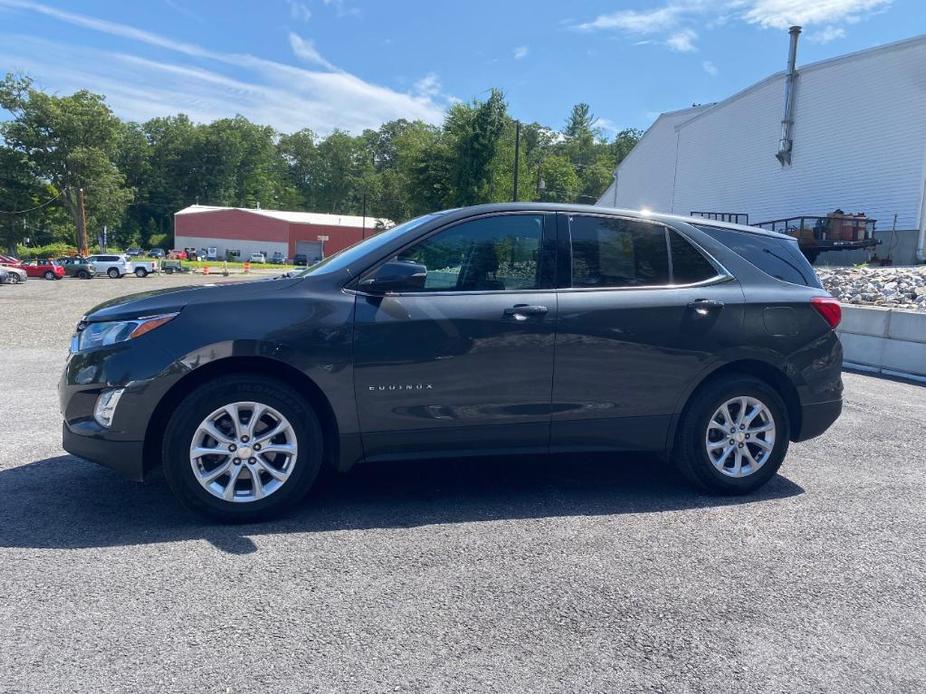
column 516, row 328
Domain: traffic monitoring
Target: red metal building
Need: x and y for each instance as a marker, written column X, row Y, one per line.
column 242, row 231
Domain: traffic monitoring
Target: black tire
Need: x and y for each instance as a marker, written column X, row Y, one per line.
column 83, row 275
column 168, row 271
column 49, row 275
column 690, row 453
column 13, row 278
column 141, row 272
column 213, row 395
column 114, row 273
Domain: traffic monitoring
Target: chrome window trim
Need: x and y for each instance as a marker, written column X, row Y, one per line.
column 723, row 275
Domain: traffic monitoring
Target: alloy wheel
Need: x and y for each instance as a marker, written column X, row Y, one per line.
column 740, row 436
column 243, row 452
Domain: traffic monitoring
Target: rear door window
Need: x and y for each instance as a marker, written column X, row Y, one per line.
column 614, row 252
column 779, row 258
column 689, row 266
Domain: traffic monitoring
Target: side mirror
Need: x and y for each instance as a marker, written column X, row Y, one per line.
column 396, row 276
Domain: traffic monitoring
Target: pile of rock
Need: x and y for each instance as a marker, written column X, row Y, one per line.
column 895, row 287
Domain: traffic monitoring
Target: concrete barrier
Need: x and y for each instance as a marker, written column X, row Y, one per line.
column 884, row 340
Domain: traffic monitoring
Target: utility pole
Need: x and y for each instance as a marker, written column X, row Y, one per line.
column 363, row 229
column 82, row 225
column 517, row 156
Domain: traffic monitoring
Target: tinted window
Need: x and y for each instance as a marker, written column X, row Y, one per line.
column 688, row 263
column 779, row 258
column 345, row 257
column 489, row 254
column 609, row 252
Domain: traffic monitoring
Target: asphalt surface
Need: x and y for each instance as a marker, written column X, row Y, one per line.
column 561, row 574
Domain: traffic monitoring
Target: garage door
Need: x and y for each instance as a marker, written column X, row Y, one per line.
column 313, row 250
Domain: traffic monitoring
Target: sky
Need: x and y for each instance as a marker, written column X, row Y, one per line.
column 354, row 64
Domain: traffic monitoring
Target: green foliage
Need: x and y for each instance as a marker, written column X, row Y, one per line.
column 58, row 249
column 163, row 241
column 136, row 176
column 71, row 143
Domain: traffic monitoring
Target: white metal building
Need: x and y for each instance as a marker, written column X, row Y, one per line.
column 858, row 143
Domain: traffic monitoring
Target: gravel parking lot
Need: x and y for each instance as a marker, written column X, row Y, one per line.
column 561, row 574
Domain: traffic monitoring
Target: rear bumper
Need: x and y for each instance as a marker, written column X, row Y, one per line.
column 85, row 441
column 817, row 418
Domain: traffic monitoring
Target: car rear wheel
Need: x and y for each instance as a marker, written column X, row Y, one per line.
column 733, row 436
column 49, row 275
column 141, row 272
column 114, row 273
column 242, row 448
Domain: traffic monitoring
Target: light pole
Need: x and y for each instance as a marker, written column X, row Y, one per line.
column 517, row 153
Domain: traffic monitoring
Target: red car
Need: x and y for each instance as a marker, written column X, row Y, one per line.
column 45, row 267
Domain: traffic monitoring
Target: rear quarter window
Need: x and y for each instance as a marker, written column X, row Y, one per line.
column 779, row 258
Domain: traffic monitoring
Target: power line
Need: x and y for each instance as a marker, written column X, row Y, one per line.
column 32, row 209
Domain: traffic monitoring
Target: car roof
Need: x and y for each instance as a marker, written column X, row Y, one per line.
column 576, row 208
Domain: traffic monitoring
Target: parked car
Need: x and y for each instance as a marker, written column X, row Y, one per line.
column 484, row 330
column 43, row 267
column 13, row 274
column 257, row 258
column 300, row 260
column 75, row 266
column 143, row 268
column 156, row 253
column 177, row 254
column 278, row 258
column 133, row 252
column 114, row 266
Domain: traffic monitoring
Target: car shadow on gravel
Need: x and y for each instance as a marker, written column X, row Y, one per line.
column 65, row 502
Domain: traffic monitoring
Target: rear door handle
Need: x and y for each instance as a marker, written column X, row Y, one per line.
column 526, row 310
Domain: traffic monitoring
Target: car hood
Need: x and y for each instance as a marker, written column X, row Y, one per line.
column 175, row 298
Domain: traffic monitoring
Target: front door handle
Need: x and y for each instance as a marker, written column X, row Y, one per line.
column 524, row 310
column 704, row 305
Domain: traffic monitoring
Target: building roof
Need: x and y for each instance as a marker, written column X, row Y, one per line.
column 826, row 62
column 319, row 218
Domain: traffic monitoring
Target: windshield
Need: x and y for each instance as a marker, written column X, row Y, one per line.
column 344, row 258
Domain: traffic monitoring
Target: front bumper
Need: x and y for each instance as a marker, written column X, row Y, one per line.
column 85, row 441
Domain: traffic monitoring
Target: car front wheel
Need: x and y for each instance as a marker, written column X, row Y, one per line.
column 114, row 273
column 733, row 436
column 49, row 275
column 242, row 448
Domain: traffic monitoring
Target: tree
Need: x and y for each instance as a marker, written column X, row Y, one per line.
column 474, row 131
column 69, row 142
column 559, row 181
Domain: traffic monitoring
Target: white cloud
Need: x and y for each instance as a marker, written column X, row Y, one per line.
column 299, row 10
column 674, row 22
column 709, row 67
column 428, row 86
column 637, row 21
column 683, row 41
column 827, row 34
column 282, row 95
column 521, row 52
column 342, row 9
column 305, row 49
column 780, row 14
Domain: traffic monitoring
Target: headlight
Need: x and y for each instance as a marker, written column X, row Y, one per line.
column 90, row 335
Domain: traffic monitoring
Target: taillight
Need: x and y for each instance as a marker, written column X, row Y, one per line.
column 829, row 308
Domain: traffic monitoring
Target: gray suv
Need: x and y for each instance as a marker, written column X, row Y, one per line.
column 520, row 328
